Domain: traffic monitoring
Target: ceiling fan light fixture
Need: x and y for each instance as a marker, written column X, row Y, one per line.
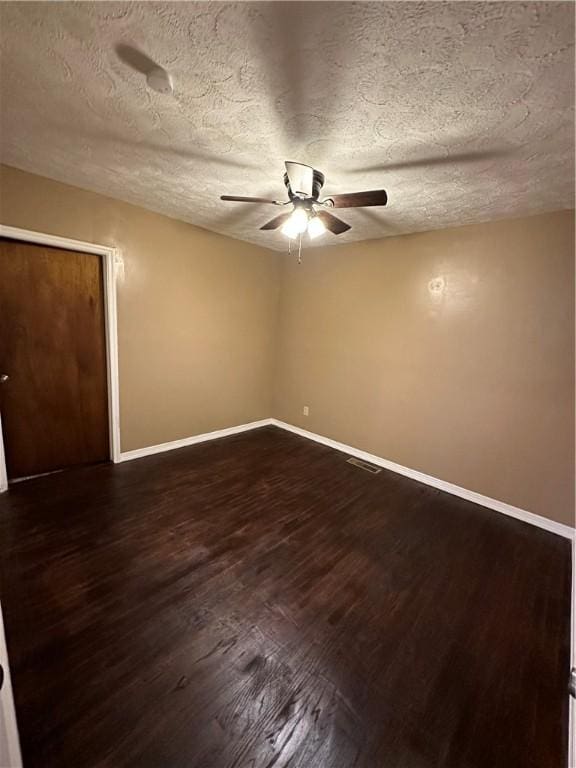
column 308, row 213
column 296, row 224
column 316, row 227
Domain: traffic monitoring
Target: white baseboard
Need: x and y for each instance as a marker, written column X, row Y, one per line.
column 151, row 449
column 477, row 498
column 442, row 485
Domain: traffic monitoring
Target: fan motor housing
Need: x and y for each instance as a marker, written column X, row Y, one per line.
column 317, row 184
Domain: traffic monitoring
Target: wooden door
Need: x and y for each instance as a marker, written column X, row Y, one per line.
column 54, row 404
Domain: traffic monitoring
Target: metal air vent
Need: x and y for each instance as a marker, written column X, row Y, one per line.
column 364, row 465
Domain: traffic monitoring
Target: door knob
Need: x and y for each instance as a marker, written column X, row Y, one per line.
column 4, row 378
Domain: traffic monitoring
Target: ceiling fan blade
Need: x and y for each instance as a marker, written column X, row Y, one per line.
column 300, row 178
column 359, row 199
column 333, row 223
column 239, row 199
column 277, row 221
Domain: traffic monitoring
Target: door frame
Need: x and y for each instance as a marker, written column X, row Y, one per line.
column 572, row 709
column 7, row 710
column 111, row 259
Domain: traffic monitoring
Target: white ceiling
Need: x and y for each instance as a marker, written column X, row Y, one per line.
column 476, row 99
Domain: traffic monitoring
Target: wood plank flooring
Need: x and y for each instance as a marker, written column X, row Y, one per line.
column 257, row 602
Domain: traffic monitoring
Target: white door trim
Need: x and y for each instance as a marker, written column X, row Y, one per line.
column 572, row 710
column 3, row 473
column 110, row 259
column 10, row 745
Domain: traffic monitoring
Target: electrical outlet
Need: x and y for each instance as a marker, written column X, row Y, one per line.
column 306, row 411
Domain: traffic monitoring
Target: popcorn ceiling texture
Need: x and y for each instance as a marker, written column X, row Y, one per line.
column 476, row 98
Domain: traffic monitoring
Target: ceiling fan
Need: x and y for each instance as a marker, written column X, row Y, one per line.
column 307, row 213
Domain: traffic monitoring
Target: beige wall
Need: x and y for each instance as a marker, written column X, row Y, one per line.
column 196, row 310
column 450, row 352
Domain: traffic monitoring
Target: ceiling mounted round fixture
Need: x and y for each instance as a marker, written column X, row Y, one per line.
column 160, row 80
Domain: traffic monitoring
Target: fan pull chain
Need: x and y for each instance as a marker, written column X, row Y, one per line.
column 299, row 248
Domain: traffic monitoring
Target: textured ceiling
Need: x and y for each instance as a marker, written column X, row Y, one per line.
column 462, row 111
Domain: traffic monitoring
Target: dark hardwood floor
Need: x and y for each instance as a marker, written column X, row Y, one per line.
column 257, row 602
